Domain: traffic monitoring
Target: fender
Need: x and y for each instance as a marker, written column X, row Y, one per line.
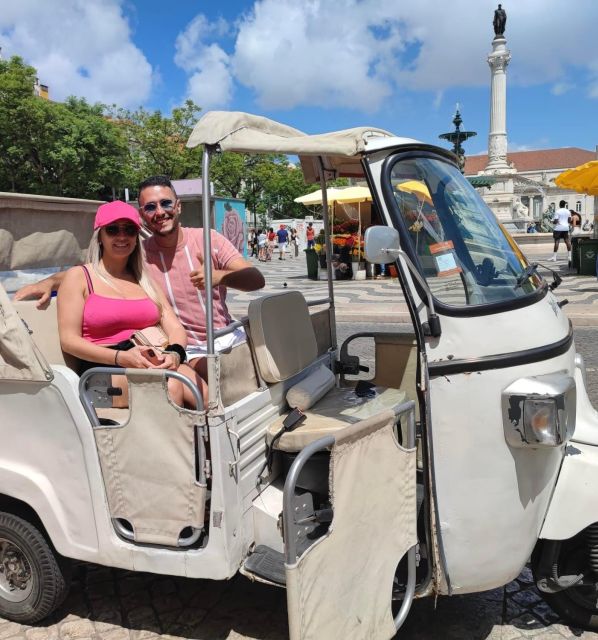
column 573, row 506
column 67, row 528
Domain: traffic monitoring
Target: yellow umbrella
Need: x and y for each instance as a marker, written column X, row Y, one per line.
column 417, row 188
column 582, row 179
column 315, row 197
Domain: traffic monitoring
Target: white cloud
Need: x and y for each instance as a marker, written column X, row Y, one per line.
column 317, row 53
column 210, row 82
column 560, row 88
column 79, row 47
column 359, row 53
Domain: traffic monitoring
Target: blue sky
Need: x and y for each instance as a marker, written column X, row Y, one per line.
column 319, row 66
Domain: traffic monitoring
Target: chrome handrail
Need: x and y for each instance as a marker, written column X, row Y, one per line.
column 129, row 534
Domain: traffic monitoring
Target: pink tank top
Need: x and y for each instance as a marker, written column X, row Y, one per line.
column 110, row 320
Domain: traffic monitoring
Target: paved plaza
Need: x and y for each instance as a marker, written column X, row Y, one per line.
column 110, row 604
column 382, row 301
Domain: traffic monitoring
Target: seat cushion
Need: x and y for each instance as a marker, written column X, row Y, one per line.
column 308, row 391
column 339, row 407
column 282, row 334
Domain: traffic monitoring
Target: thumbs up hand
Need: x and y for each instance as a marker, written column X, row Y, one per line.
column 197, row 276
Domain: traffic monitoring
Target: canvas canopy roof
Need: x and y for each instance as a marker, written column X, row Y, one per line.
column 245, row 133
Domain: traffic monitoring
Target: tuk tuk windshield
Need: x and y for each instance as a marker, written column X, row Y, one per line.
column 466, row 256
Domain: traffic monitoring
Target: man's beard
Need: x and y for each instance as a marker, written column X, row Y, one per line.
column 173, row 229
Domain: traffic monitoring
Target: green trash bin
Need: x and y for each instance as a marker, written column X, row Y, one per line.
column 588, row 252
column 313, row 263
column 575, row 252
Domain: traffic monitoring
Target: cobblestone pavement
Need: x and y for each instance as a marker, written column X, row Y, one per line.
column 384, row 298
column 110, row 604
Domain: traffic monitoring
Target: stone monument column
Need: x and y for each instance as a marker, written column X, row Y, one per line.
column 497, row 137
column 500, row 197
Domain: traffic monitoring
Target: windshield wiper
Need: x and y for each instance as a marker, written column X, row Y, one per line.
column 526, row 274
column 556, row 278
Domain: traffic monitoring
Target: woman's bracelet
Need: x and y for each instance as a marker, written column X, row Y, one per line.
column 116, row 356
column 175, row 355
column 178, row 349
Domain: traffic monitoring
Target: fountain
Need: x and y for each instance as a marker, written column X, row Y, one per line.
column 456, row 137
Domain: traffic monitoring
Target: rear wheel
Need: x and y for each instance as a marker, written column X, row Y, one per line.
column 32, row 581
column 579, row 603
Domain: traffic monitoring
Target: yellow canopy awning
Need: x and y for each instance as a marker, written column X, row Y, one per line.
column 344, row 195
column 315, row 197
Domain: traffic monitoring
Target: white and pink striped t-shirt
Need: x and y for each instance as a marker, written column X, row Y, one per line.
column 170, row 267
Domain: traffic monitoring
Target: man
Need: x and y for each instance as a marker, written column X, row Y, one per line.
column 175, row 259
column 283, row 236
column 561, row 220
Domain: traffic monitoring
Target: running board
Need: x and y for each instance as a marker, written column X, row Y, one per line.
column 266, row 564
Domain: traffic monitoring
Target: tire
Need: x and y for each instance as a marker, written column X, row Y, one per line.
column 575, row 604
column 33, row 582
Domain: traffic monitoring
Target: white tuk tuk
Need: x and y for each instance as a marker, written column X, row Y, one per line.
column 475, row 447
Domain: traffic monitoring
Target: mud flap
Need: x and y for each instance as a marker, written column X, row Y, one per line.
column 341, row 587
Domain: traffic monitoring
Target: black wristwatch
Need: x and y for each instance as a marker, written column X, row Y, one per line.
column 178, row 349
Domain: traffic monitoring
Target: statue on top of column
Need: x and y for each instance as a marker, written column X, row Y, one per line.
column 500, row 21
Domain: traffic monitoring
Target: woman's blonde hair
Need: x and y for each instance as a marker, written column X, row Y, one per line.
column 136, row 263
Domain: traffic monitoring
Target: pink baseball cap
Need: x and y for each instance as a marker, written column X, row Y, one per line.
column 117, row 210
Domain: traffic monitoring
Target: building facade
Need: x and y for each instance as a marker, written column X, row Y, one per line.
column 534, row 188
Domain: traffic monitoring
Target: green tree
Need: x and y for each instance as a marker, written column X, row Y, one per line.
column 65, row 149
column 268, row 183
column 228, row 173
column 16, row 89
column 157, row 142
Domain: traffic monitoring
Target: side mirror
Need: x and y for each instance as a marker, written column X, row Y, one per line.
column 381, row 244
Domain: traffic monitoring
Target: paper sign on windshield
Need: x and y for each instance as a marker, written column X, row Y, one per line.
column 444, row 256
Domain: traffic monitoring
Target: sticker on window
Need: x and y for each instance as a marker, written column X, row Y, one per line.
column 444, row 256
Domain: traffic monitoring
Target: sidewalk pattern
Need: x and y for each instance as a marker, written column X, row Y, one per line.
column 383, row 298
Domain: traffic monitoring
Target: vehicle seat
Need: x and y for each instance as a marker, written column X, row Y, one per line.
column 286, row 352
column 339, row 407
column 43, row 326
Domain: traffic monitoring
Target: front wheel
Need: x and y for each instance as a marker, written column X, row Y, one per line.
column 32, row 582
column 577, row 604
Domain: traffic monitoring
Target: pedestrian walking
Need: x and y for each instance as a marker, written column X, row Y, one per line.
column 282, row 236
column 271, row 244
column 294, row 243
column 310, row 234
column 575, row 222
column 561, row 220
column 262, row 244
column 252, row 243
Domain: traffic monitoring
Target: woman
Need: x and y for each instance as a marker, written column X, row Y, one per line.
column 102, row 303
column 575, row 222
column 262, row 242
column 271, row 244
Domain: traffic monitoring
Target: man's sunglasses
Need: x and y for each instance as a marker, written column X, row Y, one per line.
column 129, row 230
column 165, row 205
